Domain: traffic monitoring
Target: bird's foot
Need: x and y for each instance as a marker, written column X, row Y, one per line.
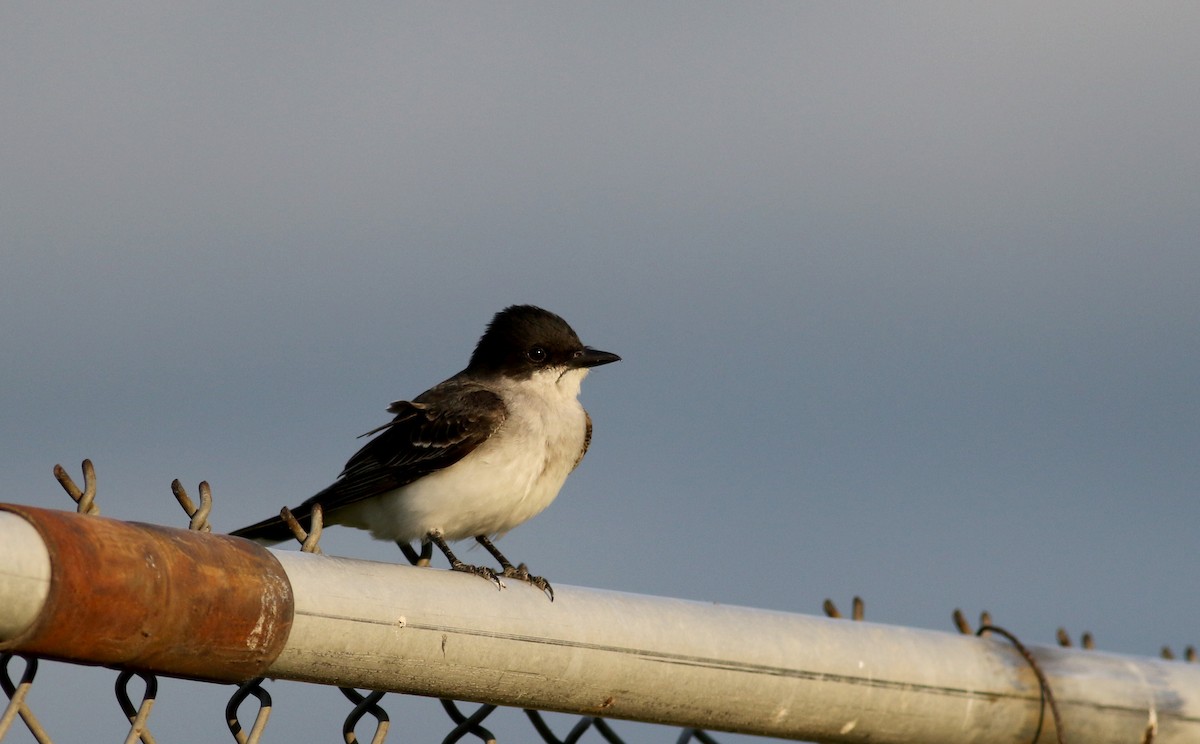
column 481, row 571
column 521, row 573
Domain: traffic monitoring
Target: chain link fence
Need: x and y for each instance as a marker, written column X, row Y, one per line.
column 315, row 715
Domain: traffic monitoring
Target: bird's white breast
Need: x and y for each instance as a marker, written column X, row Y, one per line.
column 507, row 480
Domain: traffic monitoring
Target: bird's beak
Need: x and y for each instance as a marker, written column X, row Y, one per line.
column 590, row 357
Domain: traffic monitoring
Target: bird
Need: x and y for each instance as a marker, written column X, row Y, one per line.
column 473, row 456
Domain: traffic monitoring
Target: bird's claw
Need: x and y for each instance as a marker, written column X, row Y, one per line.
column 521, row 573
column 481, row 571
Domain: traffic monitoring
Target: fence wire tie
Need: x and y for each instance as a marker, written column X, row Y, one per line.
column 246, row 689
column 857, row 609
column 964, row 627
column 1189, row 654
column 468, row 724
column 308, row 539
column 198, row 515
column 364, row 704
column 1047, row 694
column 138, row 717
column 1086, row 642
column 16, row 694
column 85, row 498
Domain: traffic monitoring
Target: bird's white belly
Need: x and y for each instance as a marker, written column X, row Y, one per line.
column 509, row 479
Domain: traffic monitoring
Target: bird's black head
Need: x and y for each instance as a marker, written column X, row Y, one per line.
column 523, row 339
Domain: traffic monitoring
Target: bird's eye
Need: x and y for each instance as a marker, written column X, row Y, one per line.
column 537, row 355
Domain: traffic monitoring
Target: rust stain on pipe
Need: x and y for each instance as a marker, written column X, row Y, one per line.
column 149, row 598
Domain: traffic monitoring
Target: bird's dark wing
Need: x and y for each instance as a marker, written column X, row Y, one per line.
column 433, row 431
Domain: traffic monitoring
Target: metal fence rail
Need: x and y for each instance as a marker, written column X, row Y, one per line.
column 156, row 600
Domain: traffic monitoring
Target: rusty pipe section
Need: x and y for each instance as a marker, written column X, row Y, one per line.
column 144, row 597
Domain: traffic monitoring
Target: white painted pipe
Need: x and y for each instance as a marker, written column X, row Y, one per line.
column 431, row 632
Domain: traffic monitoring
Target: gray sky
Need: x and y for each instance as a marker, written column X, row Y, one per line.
column 907, row 294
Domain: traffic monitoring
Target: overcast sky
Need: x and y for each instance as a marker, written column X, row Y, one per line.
column 907, row 294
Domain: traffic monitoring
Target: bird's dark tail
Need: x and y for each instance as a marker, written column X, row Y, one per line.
column 274, row 530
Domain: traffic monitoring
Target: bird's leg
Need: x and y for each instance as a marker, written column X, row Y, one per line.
column 515, row 572
column 457, row 565
column 415, row 558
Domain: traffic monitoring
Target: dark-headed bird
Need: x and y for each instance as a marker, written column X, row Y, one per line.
column 474, row 456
